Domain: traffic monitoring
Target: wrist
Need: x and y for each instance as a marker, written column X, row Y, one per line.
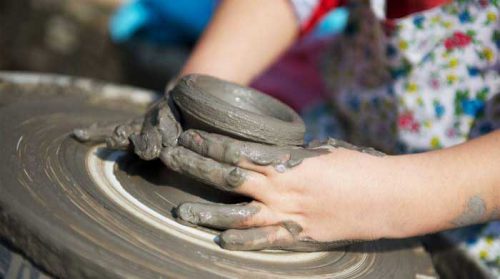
column 415, row 200
column 430, row 192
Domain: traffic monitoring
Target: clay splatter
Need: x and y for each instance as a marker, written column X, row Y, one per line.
column 473, row 213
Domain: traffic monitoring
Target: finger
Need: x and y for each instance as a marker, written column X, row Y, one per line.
column 97, row 132
column 222, row 176
column 161, row 117
column 252, row 156
column 114, row 134
column 168, row 124
column 226, row 216
column 147, row 145
column 270, row 237
column 160, row 128
column 120, row 137
column 284, row 236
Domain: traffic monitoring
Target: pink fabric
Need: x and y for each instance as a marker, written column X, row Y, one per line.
column 295, row 78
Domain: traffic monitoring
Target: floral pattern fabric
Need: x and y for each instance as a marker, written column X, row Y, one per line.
column 443, row 89
column 447, row 80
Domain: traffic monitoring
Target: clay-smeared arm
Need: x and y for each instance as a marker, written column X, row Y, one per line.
column 243, row 38
column 327, row 196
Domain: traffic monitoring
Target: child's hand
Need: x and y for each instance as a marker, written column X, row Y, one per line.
column 304, row 199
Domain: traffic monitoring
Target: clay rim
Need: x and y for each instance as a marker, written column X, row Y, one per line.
column 228, row 108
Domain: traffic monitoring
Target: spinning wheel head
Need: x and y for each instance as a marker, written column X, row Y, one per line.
column 81, row 210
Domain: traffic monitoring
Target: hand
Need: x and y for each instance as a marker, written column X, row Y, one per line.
column 304, row 199
column 149, row 134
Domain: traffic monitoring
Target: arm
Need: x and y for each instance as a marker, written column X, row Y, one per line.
column 243, row 39
column 450, row 188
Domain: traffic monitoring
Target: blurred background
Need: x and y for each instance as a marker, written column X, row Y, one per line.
column 136, row 42
column 75, row 38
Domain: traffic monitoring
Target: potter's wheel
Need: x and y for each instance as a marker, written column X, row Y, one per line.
column 84, row 211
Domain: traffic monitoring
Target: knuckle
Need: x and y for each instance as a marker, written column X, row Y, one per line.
column 232, row 153
column 235, row 177
column 170, row 157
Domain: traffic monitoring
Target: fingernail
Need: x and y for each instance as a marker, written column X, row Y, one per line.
column 196, row 137
column 185, row 212
column 170, row 157
column 235, row 177
column 231, row 240
column 148, row 148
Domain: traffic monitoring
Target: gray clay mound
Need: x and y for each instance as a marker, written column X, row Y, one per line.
column 218, row 106
column 80, row 211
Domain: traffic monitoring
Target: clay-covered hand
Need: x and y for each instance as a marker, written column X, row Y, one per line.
column 148, row 134
column 115, row 134
column 304, row 199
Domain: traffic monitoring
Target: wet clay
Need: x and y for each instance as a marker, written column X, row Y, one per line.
column 52, row 211
column 217, row 216
column 284, row 236
column 473, row 213
column 116, row 135
column 210, row 104
column 239, row 234
column 222, row 176
column 214, row 105
column 148, row 135
column 160, row 128
column 342, row 144
column 211, row 159
column 231, row 151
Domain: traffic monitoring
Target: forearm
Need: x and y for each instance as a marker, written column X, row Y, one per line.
column 449, row 188
column 243, row 39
